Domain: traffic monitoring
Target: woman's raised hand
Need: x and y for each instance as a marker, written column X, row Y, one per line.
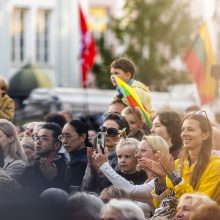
column 154, row 166
column 91, row 160
column 100, row 158
column 167, row 162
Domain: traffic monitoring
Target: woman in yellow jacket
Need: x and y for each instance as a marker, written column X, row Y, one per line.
column 7, row 105
column 196, row 169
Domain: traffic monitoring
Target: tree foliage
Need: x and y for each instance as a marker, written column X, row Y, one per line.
column 101, row 68
column 153, row 33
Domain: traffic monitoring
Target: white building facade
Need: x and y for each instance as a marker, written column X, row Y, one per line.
column 45, row 33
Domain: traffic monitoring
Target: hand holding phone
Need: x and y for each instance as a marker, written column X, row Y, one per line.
column 101, row 140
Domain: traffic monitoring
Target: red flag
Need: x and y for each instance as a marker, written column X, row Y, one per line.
column 88, row 49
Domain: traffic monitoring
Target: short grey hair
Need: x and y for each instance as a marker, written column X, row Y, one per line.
column 85, row 206
column 128, row 209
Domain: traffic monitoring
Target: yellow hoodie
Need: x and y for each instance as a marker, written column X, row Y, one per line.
column 209, row 182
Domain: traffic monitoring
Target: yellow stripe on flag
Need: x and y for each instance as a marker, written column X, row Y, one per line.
column 132, row 93
column 209, row 84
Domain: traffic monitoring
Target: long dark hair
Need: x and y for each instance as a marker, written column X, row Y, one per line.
column 173, row 123
column 81, row 128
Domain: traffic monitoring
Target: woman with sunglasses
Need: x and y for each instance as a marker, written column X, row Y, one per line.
column 196, row 169
column 168, row 125
column 114, row 124
column 146, row 149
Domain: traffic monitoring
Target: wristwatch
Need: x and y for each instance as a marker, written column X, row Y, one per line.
column 175, row 178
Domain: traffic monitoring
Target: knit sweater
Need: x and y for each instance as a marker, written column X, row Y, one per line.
column 7, row 108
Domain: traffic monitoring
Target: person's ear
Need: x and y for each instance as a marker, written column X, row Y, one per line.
column 11, row 139
column 57, row 145
column 128, row 75
column 205, row 136
column 83, row 137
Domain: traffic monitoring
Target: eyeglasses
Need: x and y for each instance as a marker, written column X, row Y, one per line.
column 62, row 137
column 41, row 138
column 111, row 132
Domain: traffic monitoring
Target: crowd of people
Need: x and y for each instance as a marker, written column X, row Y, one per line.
column 56, row 168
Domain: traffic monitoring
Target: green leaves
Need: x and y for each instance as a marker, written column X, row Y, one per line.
column 155, row 32
column 152, row 33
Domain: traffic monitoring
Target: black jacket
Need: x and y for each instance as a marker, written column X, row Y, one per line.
column 34, row 180
column 136, row 178
column 75, row 169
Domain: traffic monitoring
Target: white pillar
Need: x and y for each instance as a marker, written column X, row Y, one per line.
column 30, row 35
column 5, row 39
column 68, row 44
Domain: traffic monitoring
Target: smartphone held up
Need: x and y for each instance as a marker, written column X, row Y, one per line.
column 101, row 140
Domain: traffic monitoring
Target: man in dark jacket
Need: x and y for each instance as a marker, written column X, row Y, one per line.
column 49, row 169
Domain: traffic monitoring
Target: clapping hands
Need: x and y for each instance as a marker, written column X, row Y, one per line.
column 48, row 168
column 161, row 166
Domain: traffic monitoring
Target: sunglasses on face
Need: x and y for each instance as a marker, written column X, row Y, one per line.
column 111, row 132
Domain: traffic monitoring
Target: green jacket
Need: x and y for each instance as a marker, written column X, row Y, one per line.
column 7, row 108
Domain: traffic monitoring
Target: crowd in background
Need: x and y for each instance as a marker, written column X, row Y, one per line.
column 56, row 168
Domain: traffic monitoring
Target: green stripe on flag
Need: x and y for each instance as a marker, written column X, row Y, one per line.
column 199, row 48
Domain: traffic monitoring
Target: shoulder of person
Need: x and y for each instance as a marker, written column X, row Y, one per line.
column 214, row 161
column 19, row 162
column 78, row 162
column 4, row 175
column 140, row 85
column 11, row 163
column 8, row 98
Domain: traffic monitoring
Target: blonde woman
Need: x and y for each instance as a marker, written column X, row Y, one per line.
column 14, row 156
column 146, row 148
column 7, row 105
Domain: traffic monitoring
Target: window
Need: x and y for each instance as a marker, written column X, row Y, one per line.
column 42, row 39
column 17, row 35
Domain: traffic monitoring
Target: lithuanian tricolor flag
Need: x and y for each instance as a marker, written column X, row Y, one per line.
column 199, row 60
